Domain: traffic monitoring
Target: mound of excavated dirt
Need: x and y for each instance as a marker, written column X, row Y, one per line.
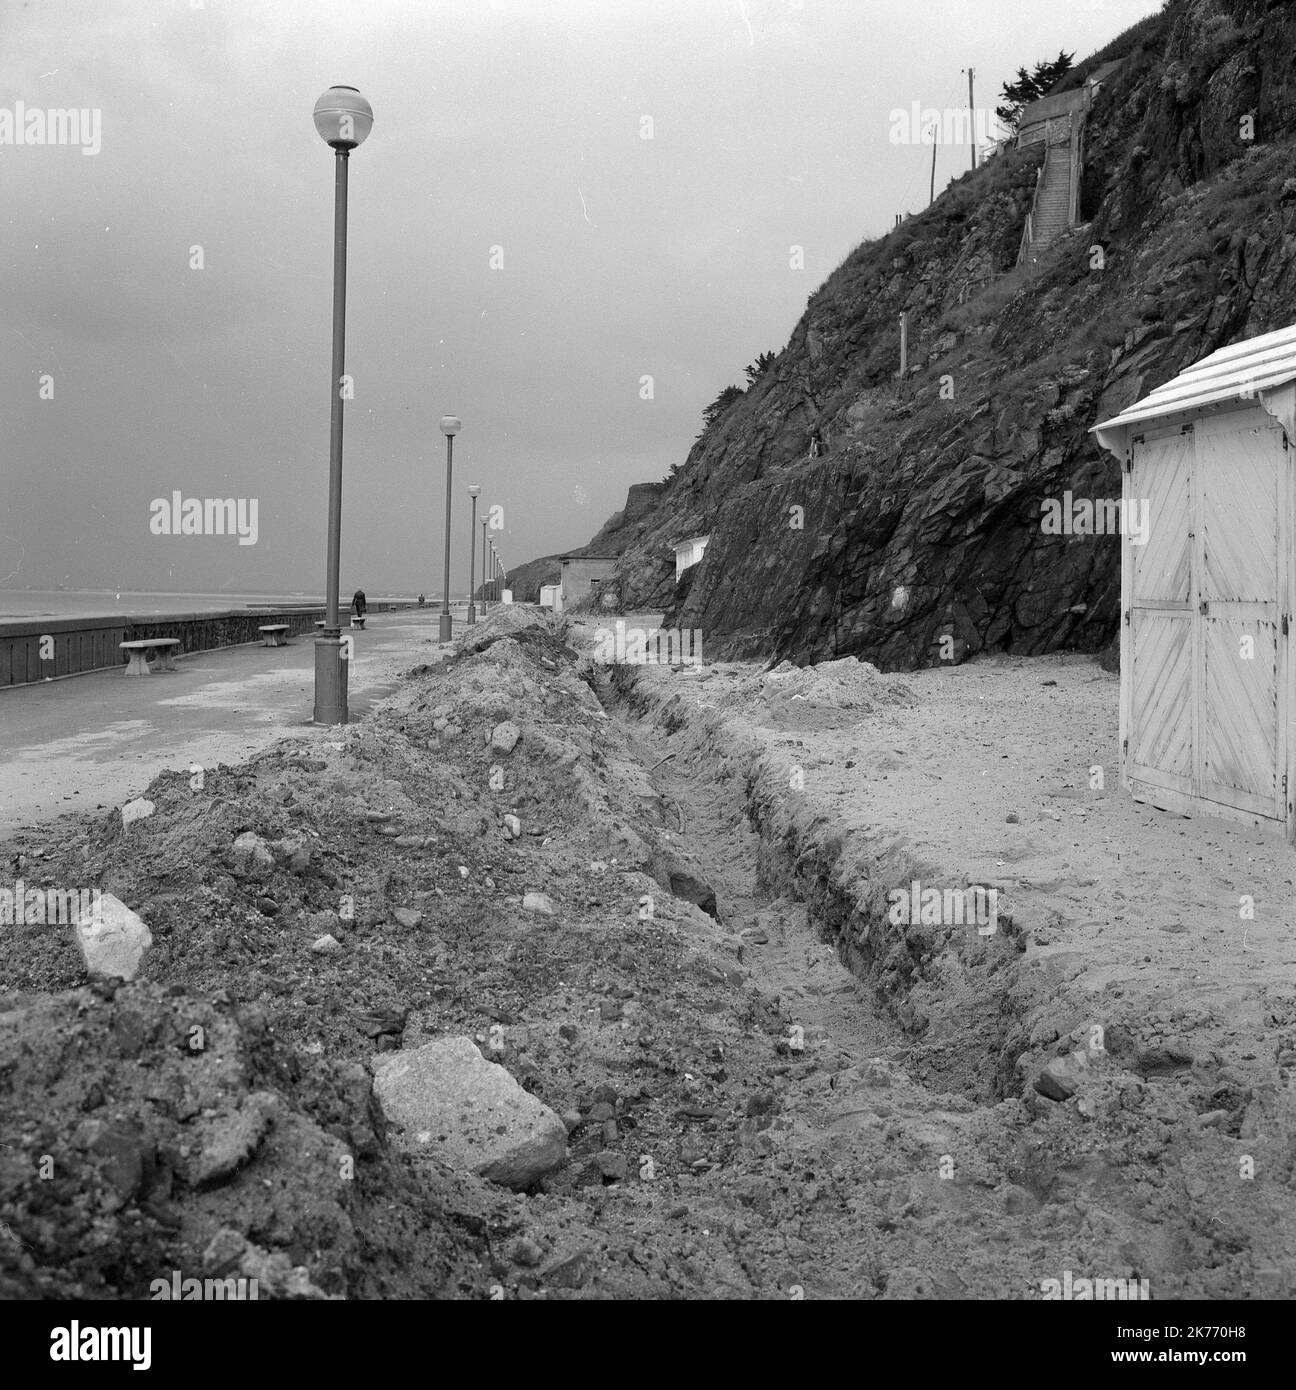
column 844, row 684
column 469, row 861
column 505, row 620
column 812, row 697
column 492, row 857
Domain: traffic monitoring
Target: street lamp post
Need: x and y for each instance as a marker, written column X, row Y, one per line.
column 343, row 119
column 450, row 426
column 473, row 490
column 483, row 579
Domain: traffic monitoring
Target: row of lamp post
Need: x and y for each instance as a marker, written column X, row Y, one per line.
column 494, row 586
column 450, row 426
column 344, row 119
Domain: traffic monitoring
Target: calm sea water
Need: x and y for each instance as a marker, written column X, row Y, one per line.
column 99, row 603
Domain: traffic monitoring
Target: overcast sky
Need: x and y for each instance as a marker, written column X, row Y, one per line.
column 127, row 373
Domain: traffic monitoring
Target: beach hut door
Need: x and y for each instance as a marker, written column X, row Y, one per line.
column 1160, row 757
column 1240, row 571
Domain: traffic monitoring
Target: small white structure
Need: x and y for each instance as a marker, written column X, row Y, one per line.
column 688, row 553
column 550, row 596
column 1208, row 587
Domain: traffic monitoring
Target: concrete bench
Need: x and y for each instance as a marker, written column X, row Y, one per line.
column 139, row 654
column 273, row 634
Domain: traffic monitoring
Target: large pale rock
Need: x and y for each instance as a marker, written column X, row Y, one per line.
column 112, row 939
column 468, row 1112
column 252, row 857
column 135, row 810
column 504, row 736
column 1060, row 1078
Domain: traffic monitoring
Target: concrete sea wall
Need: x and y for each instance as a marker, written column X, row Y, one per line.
column 37, row 649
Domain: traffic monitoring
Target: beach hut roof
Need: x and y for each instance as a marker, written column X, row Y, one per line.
column 1240, row 372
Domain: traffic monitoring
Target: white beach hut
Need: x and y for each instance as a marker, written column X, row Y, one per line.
column 1207, row 700
column 689, row 553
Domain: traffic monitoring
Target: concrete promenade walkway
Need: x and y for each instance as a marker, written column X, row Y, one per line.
column 97, row 740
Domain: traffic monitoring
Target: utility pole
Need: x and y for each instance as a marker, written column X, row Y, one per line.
column 972, row 116
column 935, row 139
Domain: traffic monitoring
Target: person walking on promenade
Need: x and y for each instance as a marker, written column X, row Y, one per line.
column 358, row 604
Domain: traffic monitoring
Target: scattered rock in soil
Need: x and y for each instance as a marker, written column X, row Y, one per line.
column 112, row 938
column 229, row 1140
column 252, row 857
column 526, row 1252
column 570, row 1272
column 504, row 736
column 613, row 1166
column 135, row 810
column 1056, row 1081
column 470, row 1113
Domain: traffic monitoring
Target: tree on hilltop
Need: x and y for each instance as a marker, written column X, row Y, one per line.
column 1031, row 86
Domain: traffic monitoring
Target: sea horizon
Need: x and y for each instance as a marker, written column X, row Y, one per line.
column 98, row 603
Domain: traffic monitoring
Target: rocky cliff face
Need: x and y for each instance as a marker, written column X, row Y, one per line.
column 854, row 513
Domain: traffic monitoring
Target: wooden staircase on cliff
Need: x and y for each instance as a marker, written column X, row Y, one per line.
column 1059, row 122
column 1054, row 207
